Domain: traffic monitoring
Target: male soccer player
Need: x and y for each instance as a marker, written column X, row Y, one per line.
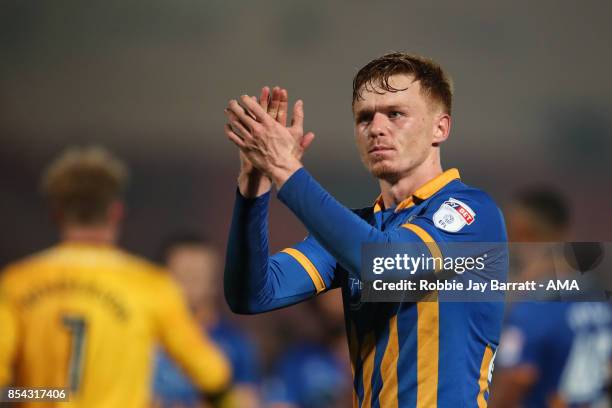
column 85, row 315
column 194, row 264
column 552, row 354
column 422, row 354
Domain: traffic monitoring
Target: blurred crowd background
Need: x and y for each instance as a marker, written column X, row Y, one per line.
column 149, row 80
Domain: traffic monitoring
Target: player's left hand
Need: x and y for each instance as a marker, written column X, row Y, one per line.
column 274, row 149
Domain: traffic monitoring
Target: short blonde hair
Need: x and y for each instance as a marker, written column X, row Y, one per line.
column 435, row 82
column 82, row 183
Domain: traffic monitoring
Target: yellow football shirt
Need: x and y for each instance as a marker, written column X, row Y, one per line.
column 87, row 317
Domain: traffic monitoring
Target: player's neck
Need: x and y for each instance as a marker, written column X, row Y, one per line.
column 96, row 234
column 395, row 191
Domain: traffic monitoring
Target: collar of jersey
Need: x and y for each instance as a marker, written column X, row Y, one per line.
column 422, row 193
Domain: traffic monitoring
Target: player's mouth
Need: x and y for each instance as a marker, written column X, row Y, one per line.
column 380, row 149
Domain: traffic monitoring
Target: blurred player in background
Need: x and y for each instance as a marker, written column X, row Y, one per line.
column 314, row 370
column 195, row 264
column 552, row 354
column 86, row 315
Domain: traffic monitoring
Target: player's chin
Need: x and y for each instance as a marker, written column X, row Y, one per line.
column 382, row 169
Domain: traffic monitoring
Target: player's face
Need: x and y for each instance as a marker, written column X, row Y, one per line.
column 520, row 225
column 396, row 131
column 196, row 269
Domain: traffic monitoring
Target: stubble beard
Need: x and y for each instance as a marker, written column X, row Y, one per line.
column 384, row 171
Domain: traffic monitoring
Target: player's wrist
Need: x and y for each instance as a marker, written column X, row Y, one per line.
column 280, row 174
column 253, row 183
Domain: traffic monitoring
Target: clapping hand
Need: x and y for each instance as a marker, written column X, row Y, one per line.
column 267, row 146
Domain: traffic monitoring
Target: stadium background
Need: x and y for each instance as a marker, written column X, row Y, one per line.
column 150, row 79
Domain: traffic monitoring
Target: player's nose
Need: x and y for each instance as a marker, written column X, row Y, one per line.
column 378, row 125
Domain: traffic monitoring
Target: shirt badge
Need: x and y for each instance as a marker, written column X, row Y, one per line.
column 453, row 215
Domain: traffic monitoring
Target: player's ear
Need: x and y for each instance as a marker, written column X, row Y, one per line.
column 442, row 125
column 116, row 211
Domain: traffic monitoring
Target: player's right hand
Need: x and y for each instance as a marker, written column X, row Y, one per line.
column 278, row 109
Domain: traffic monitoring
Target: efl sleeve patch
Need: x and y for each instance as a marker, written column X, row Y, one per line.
column 453, row 215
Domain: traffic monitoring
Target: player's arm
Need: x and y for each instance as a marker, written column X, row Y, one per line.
column 204, row 363
column 256, row 282
column 8, row 340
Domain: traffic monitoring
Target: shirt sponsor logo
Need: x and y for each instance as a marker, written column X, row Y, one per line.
column 453, row 215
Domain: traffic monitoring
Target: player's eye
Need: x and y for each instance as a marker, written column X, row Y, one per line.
column 395, row 114
column 364, row 119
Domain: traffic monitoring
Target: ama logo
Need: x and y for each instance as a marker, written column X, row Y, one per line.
column 453, row 215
